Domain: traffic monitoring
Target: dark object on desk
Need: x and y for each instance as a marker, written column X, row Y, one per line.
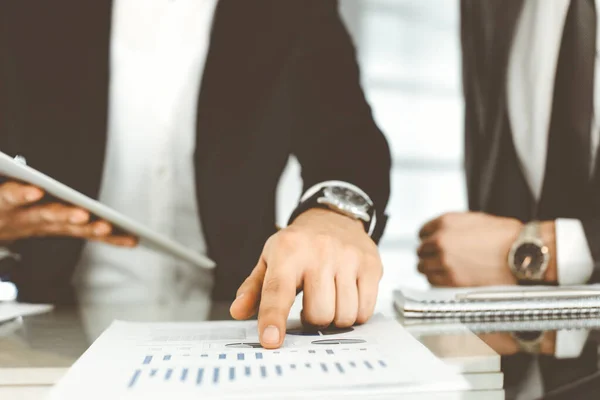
column 587, row 388
column 557, row 374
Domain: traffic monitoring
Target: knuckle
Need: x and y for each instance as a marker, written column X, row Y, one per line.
column 318, row 320
column 272, row 285
column 352, row 256
column 270, row 312
column 373, row 259
column 270, row 242
column 344, row 322
column 326, row 245
column 289, row 239
column 446, row 219
column 372, row 263
column 439, row 242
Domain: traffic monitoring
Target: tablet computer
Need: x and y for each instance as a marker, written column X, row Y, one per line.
column 17, row 169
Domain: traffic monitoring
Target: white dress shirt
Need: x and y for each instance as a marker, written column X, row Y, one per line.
column 157, row 56
column 530, row 86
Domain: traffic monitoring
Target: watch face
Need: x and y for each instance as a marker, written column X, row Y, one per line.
column 349, row 196
column 528, row 259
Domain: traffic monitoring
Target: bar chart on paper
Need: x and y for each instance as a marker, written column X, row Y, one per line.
column 240, row 368
column 132, row 361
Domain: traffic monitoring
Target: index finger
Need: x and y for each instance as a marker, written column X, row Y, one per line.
column 14, row 195
column 277, row 298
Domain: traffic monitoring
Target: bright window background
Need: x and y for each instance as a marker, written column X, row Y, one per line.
column 409, row 53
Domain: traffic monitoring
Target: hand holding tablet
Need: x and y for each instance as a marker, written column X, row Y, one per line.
column 71, row 213
column 23, row 214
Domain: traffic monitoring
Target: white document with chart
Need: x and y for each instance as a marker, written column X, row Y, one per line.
column 223, row 360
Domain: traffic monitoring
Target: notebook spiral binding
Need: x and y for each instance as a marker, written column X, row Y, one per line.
column 511, row 310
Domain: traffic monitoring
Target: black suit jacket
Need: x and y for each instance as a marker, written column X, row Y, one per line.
column 487, row 32
column 280, row 79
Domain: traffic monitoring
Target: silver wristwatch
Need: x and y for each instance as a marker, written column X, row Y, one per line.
column 529, row 256
column 350, row 203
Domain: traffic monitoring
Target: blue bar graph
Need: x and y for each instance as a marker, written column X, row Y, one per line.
column 216, row 375
column 168, row 374
column 199, row 376
column 222, row 356
column 339, row 367
column 153, row 372
column 329, row 351
column 134, row 378
column 368, row 364
column 278, row 370
column 324, row 367
column 263, row 371
column 184, row 374
column 232, row 373
column 240, row 356
column 147, row 359
column 247, row 370
column 259, row 356
column 382, row 363
column 167, row 357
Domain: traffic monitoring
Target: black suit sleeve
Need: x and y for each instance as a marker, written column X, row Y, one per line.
column 334, row 136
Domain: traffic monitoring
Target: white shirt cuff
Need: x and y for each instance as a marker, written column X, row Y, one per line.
column 569, row 344
column 573, row 257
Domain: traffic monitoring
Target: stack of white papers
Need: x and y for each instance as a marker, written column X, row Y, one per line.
column 223, row 360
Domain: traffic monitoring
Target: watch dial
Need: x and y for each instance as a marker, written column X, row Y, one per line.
column 528, row 259
column 349, row 196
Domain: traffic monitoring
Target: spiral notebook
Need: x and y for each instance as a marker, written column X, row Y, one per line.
column 445, row 303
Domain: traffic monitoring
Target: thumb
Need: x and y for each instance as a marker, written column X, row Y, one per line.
column 248, row 295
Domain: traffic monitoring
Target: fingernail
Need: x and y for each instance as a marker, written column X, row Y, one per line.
column 78, row 217
column 271, row 335
column 32, row 195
